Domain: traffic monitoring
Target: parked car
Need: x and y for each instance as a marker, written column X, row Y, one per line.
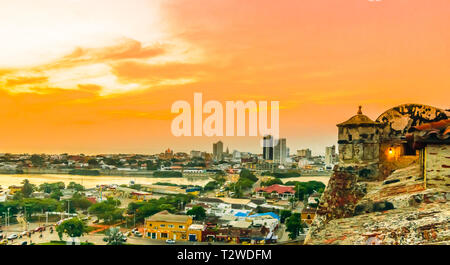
column 24, row 233
column 3, row 242
column 12, row 236
column 39, row 229
column 138, row 234
column 24, row 243
column 124, row 238
column 170, row 241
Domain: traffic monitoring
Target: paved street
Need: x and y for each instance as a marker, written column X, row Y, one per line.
column 93, row 238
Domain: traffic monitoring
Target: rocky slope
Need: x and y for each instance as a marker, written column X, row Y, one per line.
column 397, row 210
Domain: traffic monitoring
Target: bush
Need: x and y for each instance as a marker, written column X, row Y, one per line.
column 84, row 172
column 211, row 185
column 272, row 182
column 167, row 174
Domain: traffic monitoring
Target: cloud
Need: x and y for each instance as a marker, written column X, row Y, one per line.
column 126, row 49
column 155, row 73
column 25, row 80
column 82, row 66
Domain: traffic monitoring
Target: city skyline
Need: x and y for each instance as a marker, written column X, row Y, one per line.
column 104, row 82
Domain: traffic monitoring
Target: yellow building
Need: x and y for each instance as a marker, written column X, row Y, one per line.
column 308, row 214
column 13, row 189
column 164, row 225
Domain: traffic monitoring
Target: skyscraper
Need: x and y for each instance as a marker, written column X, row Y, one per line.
column 218, row 151
column 280, row 151
column 268, row 147
column 304, row 153
column 330, row 155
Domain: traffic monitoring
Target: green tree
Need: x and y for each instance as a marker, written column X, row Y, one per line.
column 197, row 212
column 210, row 185
column 246, row 174
column 18, row 196
column 107, row 210
column 56, row 194
column 80, row 202
column 271, row 182
column 113, row 236
column 37, row 160
column 167, row 174
column 171, row 203
column 73, row 227
column 50, row 187
column 136, row 186
column 27, row 188
column 92, row 162
column 284, row 214
column 294, row 225
column 75, row 186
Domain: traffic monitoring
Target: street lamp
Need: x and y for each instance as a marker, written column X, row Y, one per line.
column 6, row 224
column 68, row 208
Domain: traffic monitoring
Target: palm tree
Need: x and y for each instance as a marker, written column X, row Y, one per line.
column 113, row 236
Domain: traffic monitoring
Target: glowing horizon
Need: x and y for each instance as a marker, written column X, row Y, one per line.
column 100, row 77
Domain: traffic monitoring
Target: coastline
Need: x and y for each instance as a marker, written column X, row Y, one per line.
column 103, row 173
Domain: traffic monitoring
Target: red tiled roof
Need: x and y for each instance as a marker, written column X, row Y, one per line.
column 92, row 199
column 433, row 132
column 277, row 188
column 431, row 126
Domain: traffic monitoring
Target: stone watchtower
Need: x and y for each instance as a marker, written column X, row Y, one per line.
column 359, row 141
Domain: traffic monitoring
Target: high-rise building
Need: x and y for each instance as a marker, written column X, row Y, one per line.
column 218, row 151
column 280, row 151
column 268, row 147
column 195, row 153
column 330, row 155
column 304, row 153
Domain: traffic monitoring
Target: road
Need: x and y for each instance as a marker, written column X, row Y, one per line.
column 97, row 238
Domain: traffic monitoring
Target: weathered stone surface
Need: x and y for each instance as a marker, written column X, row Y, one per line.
column 429, row 225
column 342, row 194
column 401, row 212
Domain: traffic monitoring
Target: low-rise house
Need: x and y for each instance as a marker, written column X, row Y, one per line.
column 240, row 235
column 13, row 189
column 40, row 195
column 164, row 225
column 195, row 232
column 68, row 192
column 308, row 214
column 269, row 220
column 141, row 195
column 3, row 197
column 207, row 207
column 255, row 202
column 314, row 199
column 276, row 191
column 92, row 199
column 209, row 233
column 432, row 141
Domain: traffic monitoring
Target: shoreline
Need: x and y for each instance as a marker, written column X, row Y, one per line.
column 103, row 173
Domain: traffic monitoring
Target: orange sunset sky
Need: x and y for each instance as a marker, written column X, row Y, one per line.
column 100, row 76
